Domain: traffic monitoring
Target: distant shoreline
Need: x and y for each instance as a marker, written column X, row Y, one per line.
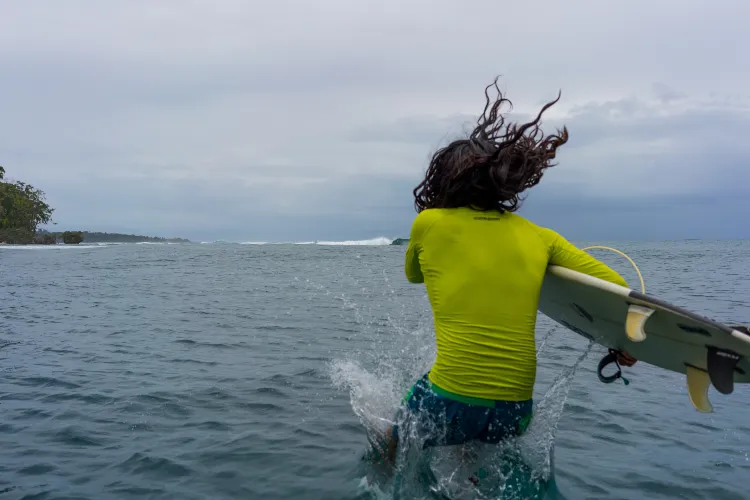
column 99, row 237
column 45, row 237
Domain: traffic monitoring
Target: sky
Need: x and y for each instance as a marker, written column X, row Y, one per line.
column 293, row 121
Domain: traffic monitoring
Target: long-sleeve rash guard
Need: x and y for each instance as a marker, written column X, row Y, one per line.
column 483, row 272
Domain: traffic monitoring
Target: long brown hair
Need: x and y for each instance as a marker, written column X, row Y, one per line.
column 493, row 166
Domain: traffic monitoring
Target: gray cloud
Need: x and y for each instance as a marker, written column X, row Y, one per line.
column 299, row 120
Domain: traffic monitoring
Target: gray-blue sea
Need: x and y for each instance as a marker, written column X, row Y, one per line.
column 229, row 371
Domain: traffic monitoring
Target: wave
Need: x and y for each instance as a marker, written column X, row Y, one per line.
column 95, row 244
column 379, row 241
column 46, row 247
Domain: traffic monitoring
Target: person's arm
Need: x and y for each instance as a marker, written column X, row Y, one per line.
column 564, row 254
column 412, row 267
column 421, row 224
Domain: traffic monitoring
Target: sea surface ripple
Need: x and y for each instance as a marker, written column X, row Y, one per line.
column 204, row 371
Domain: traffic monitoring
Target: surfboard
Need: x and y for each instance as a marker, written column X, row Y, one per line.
column 652, row 330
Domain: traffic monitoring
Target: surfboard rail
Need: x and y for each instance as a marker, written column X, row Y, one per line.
column 717, row 365
column 644, row 300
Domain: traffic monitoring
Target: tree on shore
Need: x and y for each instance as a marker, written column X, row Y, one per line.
column 72, row 237
column 22, row 210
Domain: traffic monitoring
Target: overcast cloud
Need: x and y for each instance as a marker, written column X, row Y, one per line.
column 244, row 120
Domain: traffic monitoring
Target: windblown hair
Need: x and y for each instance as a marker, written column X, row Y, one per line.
column 493, row 166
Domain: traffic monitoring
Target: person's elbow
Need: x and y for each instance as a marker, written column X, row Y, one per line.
column 414, row 277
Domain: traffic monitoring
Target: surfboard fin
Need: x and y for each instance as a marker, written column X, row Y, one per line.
column 721, row 365
column 635, row 322
column 698, row 383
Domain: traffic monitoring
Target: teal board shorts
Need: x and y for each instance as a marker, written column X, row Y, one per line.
column 442, row 418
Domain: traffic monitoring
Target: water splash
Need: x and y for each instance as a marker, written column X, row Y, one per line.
column 543, row 342
column 538, row 443
column 400, row 352
column 519, row 468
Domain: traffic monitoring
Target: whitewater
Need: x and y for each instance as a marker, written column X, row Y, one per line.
column 373, row 242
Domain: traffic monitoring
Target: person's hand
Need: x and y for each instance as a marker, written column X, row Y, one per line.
column 626, row 359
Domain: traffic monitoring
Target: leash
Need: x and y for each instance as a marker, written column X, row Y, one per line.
column 611, row 357
column 608, row 360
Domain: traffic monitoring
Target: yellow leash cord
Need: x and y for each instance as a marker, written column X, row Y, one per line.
column 640, row 277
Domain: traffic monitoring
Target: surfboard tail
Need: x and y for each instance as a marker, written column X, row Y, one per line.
column 721, row 365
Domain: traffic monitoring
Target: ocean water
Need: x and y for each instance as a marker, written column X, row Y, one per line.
column 228, row 371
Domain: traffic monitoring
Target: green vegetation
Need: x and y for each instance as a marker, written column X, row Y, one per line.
column 128, row 238
column 400, row 241
column 22, row 210
column 45, row 239
column 95, row 237
column 72, row 237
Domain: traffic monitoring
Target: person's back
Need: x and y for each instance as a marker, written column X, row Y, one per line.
column 483, row 267
column 483, row 272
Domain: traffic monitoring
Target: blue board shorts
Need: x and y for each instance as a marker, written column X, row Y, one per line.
column 443, row 418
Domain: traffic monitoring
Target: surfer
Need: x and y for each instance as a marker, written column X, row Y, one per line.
column 483, row 267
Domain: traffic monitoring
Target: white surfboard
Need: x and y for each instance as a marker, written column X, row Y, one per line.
column 651, row 330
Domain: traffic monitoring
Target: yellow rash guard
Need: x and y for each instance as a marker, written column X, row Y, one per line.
column 483, row 272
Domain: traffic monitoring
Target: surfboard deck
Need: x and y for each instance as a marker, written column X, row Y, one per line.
column 651, row 330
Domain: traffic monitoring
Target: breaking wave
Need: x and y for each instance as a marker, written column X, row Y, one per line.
column 373, row 242
column 379, row 241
